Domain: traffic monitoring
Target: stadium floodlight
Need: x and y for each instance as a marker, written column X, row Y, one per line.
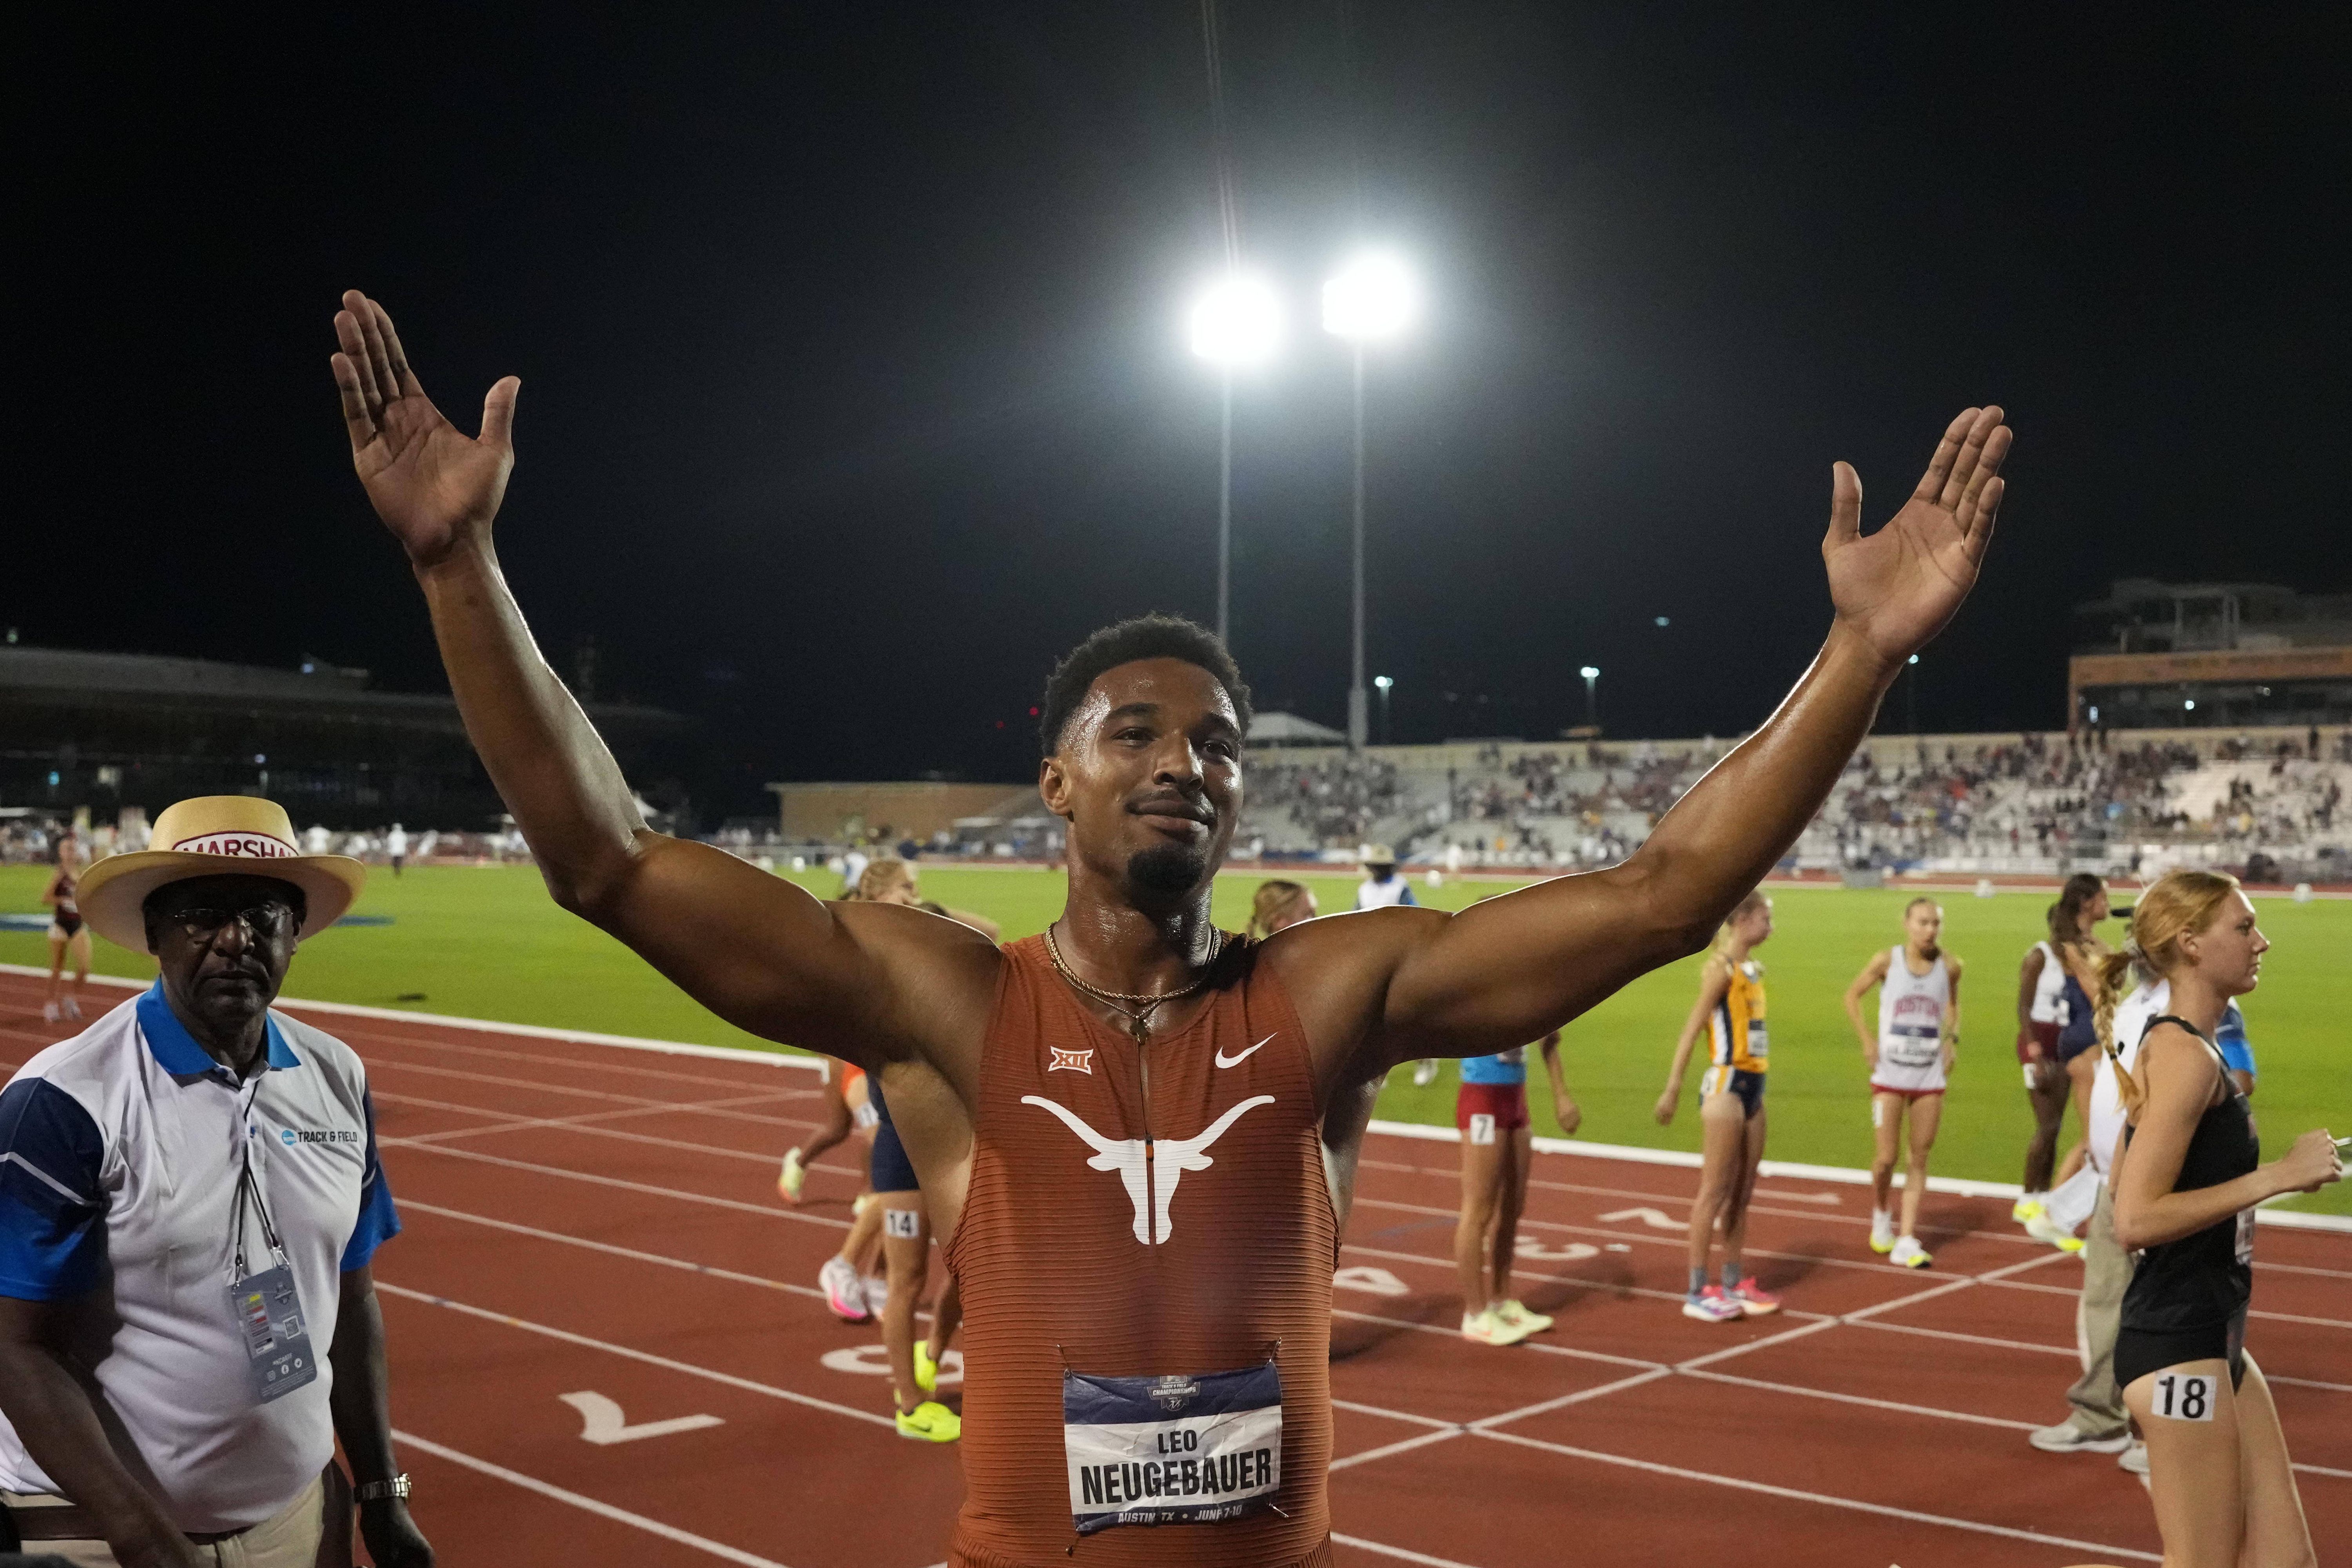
column 1370, row 300
column 1235, row 324
column 1384, row 684
column 1238, row 321
column 1591, row 673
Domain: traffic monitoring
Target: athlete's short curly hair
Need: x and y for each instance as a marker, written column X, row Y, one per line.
column 1143, row 636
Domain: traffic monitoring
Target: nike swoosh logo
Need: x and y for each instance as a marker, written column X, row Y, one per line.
column 1225, row 1061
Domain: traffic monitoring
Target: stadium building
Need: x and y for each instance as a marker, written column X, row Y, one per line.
column 109, row 731
column 2158, row 656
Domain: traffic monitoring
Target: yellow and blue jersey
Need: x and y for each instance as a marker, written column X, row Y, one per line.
column 1735, row 1030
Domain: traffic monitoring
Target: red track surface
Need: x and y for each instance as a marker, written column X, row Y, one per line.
column 588, row 1219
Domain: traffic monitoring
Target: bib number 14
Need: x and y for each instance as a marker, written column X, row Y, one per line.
column 2184, row 1396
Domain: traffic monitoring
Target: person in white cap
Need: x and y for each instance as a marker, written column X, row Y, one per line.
column 189, row 1201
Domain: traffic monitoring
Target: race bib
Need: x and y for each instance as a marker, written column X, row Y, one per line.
column 2245, row 1236
column 902, row 1224
column 1172, row 1450
column 2183, row 1396
column 1482, row 1127
column 1759, row 1044
column 1903, row 1049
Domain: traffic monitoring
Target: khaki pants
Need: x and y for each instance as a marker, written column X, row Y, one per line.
column 288, row 1539
column 2106, row 1271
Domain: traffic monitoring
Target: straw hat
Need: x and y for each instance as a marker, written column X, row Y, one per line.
column 214, row 836
column 1377, row 854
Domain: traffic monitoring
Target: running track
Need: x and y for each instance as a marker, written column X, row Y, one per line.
column 588, row 1220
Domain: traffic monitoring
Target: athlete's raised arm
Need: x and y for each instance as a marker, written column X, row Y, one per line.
column 853, row 980
column 1507, row 969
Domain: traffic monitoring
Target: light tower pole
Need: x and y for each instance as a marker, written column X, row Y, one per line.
column 1235, row 324
column 1592, row 674
column 1370, row 300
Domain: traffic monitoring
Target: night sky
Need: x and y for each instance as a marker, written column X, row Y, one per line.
column 854, row 387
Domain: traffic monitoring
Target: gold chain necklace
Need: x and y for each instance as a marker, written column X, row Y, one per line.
column 1139, row 1019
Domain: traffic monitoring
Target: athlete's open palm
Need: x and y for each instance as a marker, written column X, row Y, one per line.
column 433, row 485
column 1898, row 586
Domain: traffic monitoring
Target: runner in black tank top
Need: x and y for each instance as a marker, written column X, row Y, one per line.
column 2187, row 1300
column 2185, row 1191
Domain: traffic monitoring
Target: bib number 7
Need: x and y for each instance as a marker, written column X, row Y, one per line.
column 2184, row 1396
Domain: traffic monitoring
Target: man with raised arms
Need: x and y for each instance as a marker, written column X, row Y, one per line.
column 1117, row 1121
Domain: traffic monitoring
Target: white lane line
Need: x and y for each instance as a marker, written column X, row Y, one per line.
column 1885, row 1511
column 1387, row 1414
column 2324, row 1470
column 586, row 1504
column 510, row 1122
column 1533, row 1268
column 609, row 1248
column 2270, row 1376
column 677, row 1193
column 1400, row 1554
column 2067, row 1351
column 1858, row 1399
column 1523, row 1344
column 2292, row 1318
column 651, row 1102
column 576, row 1064
column 586, row 1124
column 1402, row 1445
column 708, row 1374
column 1677, row 1244
column 1782, row 1338
column 1566, row 1400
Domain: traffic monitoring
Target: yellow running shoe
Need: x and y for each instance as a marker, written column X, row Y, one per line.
column 792, row 1177
column 927, row 1371
column 930, row 1422
column 1518, row 1316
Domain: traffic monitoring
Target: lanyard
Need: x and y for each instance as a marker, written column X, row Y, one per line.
column 250, row 1186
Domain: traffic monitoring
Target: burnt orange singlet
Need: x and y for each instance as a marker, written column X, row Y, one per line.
column 1179, row 1235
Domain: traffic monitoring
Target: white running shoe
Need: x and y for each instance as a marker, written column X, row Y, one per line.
column 73, row 1007
column 1425, row 1073
column 48, row 1012
column 878, row 1293
column 2135, row 1458
column 1713, row 1304
column 2069, row 1437
column 2026, row 1209
column 792, row 1177
column 1909, row 1253
column 1489, row 1328
column 842, row 1293
column 1513, row 1313
column 1882, row 1234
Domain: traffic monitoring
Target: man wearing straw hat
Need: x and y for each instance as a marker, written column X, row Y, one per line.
column 189, row 1199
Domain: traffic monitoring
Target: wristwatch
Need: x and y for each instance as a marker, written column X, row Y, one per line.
column 372, row 1491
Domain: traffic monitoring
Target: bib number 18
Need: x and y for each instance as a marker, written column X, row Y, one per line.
column 2184, row 1396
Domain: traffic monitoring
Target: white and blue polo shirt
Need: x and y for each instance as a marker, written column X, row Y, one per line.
column 119, row 1153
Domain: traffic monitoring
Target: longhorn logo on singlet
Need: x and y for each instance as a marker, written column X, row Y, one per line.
column 1133, row 1159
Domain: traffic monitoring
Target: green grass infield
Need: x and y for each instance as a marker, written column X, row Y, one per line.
column 487, row 942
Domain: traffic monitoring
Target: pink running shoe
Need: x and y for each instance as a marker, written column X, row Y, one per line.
column 842, row 1293
column 1713, row 1305
column 1753, row 1299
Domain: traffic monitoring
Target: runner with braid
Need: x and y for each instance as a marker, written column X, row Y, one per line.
column 1120, row 1122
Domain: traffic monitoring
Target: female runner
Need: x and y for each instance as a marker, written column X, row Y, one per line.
column 1730, row 1008
column 66, row 933
column 1490, row 1111
column 2081, row 951
column 2187, row 1182
column 1910, row 1061
column 2043, row 1025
